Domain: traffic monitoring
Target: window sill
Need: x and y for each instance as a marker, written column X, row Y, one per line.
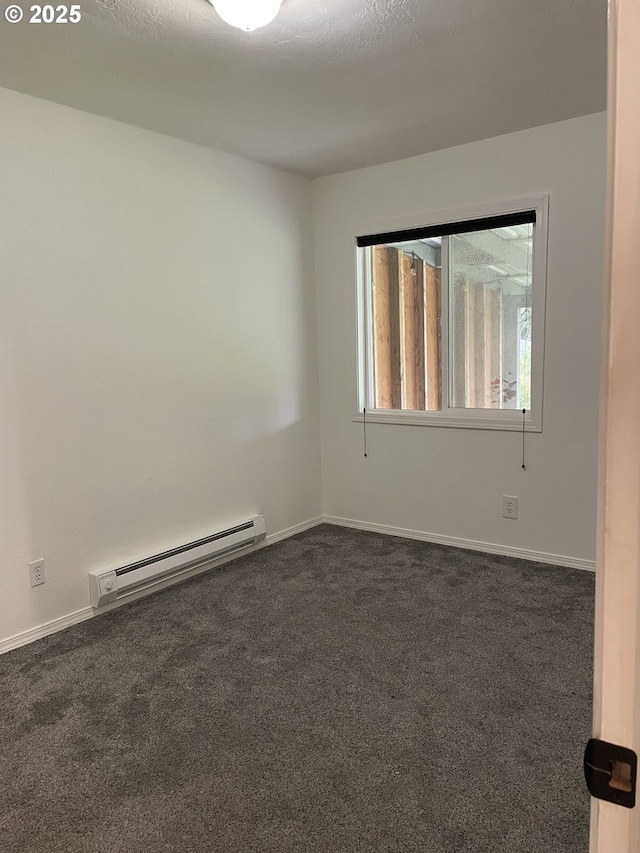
column 441, row 419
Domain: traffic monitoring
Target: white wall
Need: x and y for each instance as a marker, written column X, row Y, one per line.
column 449, row 482
column 158, row 372
column 158, row 354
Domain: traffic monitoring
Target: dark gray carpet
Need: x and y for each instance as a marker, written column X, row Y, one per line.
column 340, row 691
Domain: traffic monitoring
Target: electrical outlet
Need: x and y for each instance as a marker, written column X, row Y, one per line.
column 36, row 572
column 509, row 506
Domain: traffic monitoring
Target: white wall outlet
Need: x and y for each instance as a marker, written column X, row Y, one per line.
column 36, row 572
column 509, row 506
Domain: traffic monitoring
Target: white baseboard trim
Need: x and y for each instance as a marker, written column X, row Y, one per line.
column 55, row 625
column 467, row 544
column 292, row 531
column 33, row 634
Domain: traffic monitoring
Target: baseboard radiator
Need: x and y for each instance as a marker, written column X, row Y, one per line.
column 112, row 585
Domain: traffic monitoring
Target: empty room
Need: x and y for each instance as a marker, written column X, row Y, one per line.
column 320, row 426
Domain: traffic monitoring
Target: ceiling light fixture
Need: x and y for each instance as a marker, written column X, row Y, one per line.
column 247, row 14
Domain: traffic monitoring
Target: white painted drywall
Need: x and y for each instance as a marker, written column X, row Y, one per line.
column 158, row 361
column 450, row 481
column 158, row 354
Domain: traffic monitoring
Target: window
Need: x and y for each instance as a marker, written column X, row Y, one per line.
column 451, row 321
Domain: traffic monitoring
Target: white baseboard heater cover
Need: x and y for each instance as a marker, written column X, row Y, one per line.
column 109, row 586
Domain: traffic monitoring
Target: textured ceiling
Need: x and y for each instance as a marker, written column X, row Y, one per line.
column 328, row 86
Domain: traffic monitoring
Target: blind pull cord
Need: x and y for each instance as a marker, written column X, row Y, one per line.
column 364, row 434
column 364, row 430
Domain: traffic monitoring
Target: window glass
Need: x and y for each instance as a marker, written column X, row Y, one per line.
column 449, row 319
column 490, row 318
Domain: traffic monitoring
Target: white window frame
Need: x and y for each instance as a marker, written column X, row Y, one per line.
column 496, row 419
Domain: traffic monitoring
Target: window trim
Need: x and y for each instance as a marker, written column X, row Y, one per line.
column 491, row 419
